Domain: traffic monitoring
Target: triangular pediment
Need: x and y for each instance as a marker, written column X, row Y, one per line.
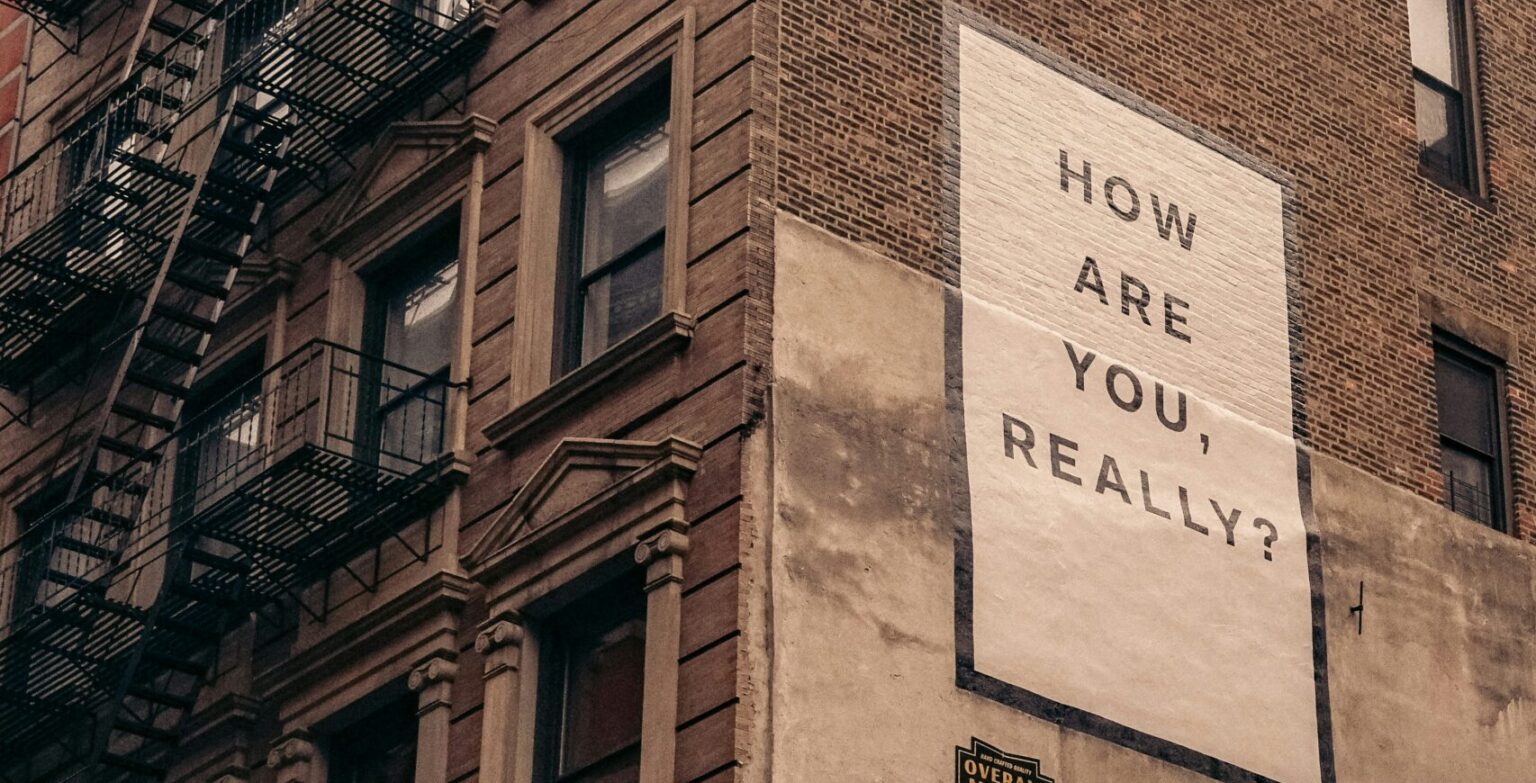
column 407, row 157
column 581, row 475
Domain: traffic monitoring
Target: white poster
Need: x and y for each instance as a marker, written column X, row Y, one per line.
column 1137, row 553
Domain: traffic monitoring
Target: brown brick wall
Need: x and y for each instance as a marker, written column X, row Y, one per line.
column 539, row 48
column 1320, row 89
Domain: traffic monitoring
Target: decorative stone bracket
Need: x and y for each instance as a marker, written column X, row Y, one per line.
column 592, row 505
column 501, row 644
column 292, row 757
column 432, row 680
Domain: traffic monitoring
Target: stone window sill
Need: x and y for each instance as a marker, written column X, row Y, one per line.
column 663, row 337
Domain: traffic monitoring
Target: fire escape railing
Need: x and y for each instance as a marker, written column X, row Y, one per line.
column 321, row 457
column 112, row 606
column 86, row 217
column 54, row 18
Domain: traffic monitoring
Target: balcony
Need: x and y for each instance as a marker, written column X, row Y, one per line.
column 87, row 221
column 112, row 626
column 53, row 12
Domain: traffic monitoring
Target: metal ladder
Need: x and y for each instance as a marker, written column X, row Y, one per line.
column 146, row 664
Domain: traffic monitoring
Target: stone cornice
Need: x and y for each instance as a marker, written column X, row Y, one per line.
column 442, row 593
column 663, row 337
column 451, row 143
column 648, row 482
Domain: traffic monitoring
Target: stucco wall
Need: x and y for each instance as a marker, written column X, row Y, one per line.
column 862, row 589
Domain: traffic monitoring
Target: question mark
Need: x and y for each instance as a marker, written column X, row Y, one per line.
column 1269, row 540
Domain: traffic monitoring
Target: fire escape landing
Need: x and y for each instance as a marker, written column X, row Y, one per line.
column 291, row 475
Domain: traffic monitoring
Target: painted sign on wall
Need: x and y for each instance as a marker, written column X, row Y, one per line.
column 1133, row 561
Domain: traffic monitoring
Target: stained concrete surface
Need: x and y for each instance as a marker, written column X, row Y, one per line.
column 863, row 664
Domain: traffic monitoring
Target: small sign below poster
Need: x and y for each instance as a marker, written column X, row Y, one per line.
column 982, row 763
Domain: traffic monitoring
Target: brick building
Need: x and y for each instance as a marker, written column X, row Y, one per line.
column 749, row 390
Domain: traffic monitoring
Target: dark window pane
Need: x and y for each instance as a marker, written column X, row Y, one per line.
column 419, row 317
column 1442, row 131
column 1469, row 482
column 413, row 322
column 1464, row 394
column 1469, row 398
column 590, row 712
column 34, row 537
column 603, row 694
column 617, row 218
column 220, row 445
column 1434, row 27
column 626, row 195
column 227, row 448
column 25, row 576
column 91, row 156
column 621, row 302
column 380, row 748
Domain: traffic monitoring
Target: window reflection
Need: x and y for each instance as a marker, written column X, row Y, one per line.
column 1441, row 85
column 414, row 317
column 621, row 174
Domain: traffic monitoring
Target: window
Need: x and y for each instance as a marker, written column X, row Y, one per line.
column 31, row 560
column 32, row 540
column 1442, row 90
column 93, row 154
column 615, row 223
column 1469, row 392
column 411, row 324
column 603, row 251
column 221, row 443
column 591, row 681
column 253, row 29
column 378, row 748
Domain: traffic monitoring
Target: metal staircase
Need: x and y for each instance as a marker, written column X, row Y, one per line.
column 102, row 664
column 112, row 608
column 56, row 18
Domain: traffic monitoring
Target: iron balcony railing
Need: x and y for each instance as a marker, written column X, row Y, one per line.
column 57, row 12
column 90, row 212
column 1474, row 501
column 294, row 469
column 337, row 59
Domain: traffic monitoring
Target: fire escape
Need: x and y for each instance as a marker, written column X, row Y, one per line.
column 54, row 17
column 112, row 605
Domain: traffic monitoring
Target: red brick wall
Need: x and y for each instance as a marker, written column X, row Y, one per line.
column 1320, row 89
column 13, row 50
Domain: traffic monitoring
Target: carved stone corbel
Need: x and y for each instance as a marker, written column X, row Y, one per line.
column 432, row 680
column 661, row 555
column 662, row 558
column 291, row 758
column 500, row 643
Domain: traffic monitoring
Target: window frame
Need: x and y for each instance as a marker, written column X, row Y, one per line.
column 358, row 717
column 664, row 46
column 1463, row 54
column 41, row 499
column 394, row 270
column 215, row 388
column 580, row 146
column 403, row 200
column 552, row 683
column 533, row 559
column 397, row 268
column 1457, row 349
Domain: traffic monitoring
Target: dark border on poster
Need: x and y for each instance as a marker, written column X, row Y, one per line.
column 966, row 676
